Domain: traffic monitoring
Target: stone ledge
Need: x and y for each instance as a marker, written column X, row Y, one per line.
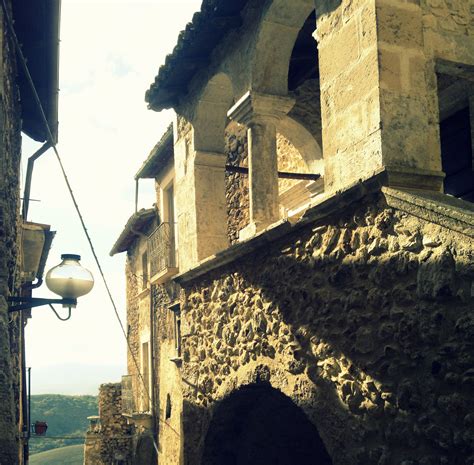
column 442, row 209
column 445, row 210
column 325, row 206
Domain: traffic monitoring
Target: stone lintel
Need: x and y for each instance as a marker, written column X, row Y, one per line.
column 255, row 105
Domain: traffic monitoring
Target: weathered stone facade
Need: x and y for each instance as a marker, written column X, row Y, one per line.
column 18, row 112
column 363, row 319
column 109, row 441
column 10, row 152
column 327, row 321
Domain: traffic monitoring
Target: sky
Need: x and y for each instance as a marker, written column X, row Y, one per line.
column 110, row 52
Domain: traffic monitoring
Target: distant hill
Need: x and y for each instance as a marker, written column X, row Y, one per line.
column 74, row 379
column 66, row 417
column 70, row 455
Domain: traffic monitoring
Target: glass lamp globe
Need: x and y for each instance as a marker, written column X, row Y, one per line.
column 69, row 279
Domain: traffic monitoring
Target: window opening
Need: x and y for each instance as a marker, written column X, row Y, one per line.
column 456, row 155
column 168, row 407
column 304, row 59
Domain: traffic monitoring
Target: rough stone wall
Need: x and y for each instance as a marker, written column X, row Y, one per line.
column 165, row 377
column 10, row 151
column 449, row 29
column 364, row 319
column 168, row 397
column 237, row 185
column 289, row 160
column 114, row 439
column 92, row 447
column 138, row 316
column 134, row 281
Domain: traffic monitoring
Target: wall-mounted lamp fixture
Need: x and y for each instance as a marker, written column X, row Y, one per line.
column 68, row 279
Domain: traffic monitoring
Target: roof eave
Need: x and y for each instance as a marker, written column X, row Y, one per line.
column 41, row 49
column 136, row 222
column 193, row 51
column 152, row 166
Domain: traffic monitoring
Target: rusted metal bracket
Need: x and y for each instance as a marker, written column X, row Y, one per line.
column 281, row 174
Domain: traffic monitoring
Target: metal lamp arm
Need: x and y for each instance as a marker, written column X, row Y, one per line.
column 31, row 302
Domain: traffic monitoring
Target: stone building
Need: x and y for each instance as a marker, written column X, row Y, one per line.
column 23, row 245
column 275, row 316
column 108, row 440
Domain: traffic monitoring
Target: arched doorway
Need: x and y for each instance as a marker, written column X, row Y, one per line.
column 258, row 425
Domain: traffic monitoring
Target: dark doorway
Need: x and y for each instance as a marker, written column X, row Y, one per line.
column 258, row 425
column 456, row 152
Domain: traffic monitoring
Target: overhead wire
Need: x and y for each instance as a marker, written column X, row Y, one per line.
column 52, row 141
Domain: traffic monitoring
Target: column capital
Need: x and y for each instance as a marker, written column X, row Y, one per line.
column 254, row 106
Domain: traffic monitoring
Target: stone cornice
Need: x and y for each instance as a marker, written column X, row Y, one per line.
column 447, row 211
column 326, row 206
column 434, row 207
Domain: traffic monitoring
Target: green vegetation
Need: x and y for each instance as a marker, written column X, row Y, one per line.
column 66, row 417
column 70, row 455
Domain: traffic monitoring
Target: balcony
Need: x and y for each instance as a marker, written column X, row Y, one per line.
column 162, row 253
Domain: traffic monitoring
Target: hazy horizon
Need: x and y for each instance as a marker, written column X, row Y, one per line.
column 73, row 379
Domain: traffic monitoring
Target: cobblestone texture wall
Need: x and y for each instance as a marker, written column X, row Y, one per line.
column 364, row 320
column 10, row 150
column 112, row 441
column 289, row 160
column 168, row 397
column 237, row 185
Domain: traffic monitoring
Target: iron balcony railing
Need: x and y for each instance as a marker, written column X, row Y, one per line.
column 128, row 402
column 162, row 248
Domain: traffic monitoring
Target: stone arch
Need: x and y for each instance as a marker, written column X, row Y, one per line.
column 274, row 45
column 258, row 425
column 304, row 142
column 210, row 117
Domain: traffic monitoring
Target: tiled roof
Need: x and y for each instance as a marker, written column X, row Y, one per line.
column 193, row 50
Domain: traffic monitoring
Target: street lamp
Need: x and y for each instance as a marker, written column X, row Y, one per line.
column 68, row 279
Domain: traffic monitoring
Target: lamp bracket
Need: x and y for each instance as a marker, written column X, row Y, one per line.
column 31, row 302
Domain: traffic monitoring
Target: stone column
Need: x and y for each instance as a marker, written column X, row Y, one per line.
column 211, row 209
column 260, row 113
column 378, row 94
column 200, row 201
